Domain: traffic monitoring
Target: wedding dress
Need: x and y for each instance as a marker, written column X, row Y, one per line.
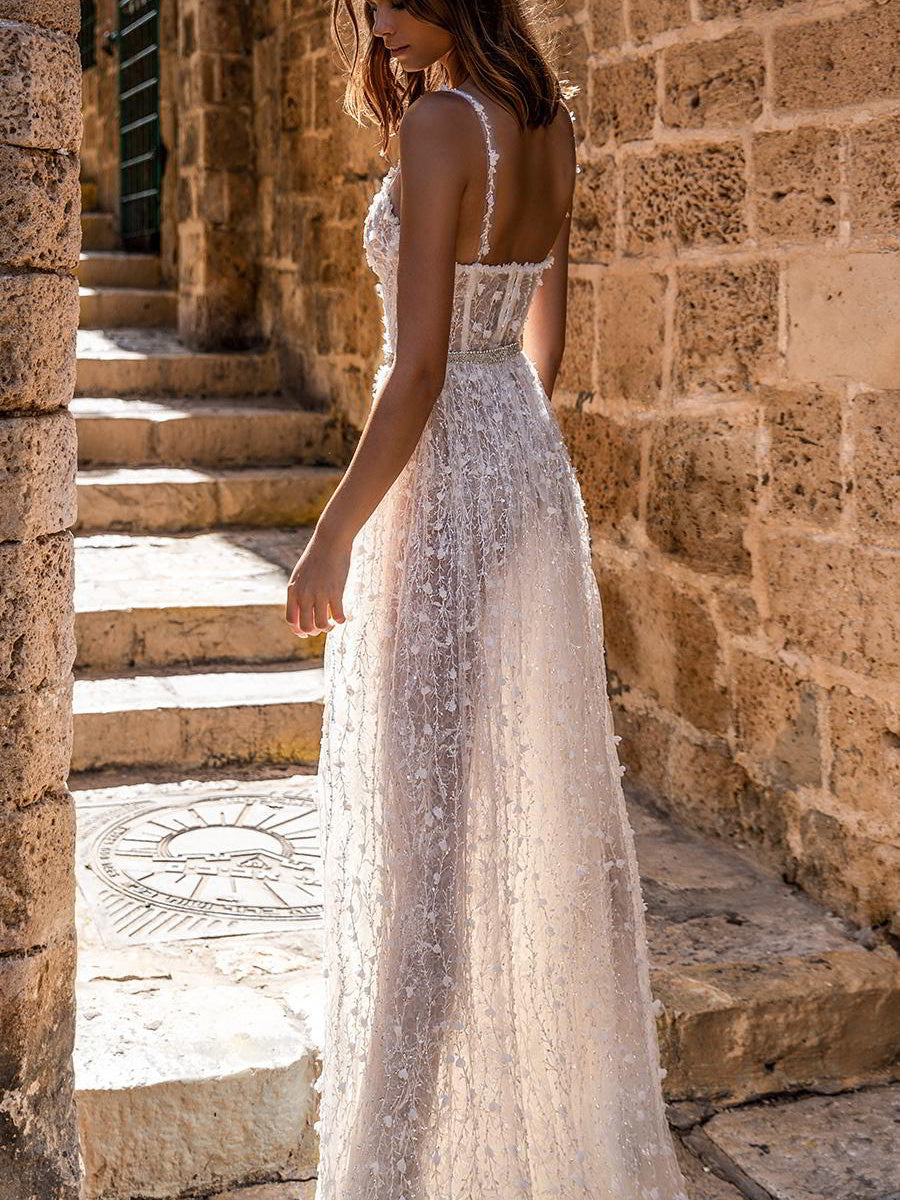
column 490, row 1030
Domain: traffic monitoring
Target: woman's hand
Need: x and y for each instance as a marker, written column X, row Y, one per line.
column 316, row 585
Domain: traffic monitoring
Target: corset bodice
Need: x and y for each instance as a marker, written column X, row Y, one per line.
column 490, row 300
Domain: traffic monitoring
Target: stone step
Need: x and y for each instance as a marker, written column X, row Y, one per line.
column 153, row 362
column 113, row 307
column 157, row 499
column 263, row 715
column 187, row 600
column 117, row 268
column 98, row 231
column 762, row 990
column 117, row 430
column 88, row 194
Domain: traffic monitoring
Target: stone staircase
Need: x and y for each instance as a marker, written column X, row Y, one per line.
column 197, row 717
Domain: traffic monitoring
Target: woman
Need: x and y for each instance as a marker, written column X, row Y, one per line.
column 490, row 1030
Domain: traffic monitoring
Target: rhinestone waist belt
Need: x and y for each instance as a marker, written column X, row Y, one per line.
column 487, row 354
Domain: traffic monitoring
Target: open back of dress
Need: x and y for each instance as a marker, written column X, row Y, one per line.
column 490, row 1030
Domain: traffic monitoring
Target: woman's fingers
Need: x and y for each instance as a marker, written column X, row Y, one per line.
column 337, row 609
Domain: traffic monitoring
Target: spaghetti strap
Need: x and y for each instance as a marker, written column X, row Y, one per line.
column 492, row 156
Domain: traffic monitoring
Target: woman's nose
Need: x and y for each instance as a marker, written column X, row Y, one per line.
column 381, row 27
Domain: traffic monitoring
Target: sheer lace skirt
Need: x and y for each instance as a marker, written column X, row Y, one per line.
column 490, row 1026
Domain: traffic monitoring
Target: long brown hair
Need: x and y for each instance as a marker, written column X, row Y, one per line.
column 504, row 45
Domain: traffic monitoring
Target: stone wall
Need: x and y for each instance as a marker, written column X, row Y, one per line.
column 730, row 395
column 39, row 239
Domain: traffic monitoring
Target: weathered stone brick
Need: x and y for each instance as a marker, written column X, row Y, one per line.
column 804, row 428
column 714, row 82
column 577, row 371
column 39, row 209
column 726, row 327
column 796, row 177
column 709, row 9
column 606, row 24
column 36, row 493
column 38, row 322
column 776, row 721
column 849, row 59
column 631, row 333
column 607, row 458
column 649, row 17
column 684, row 196
column 661, row 640
column 50, row 14
column 831, row 600
column 702, row 484
column 38, row 1145
column 875, row 425
column 35, row 743
column 843, row 313
column 593, row 233
column 623, row 100
column 873, row 177
column 36, row 578
column 865, row 754
column 37, row 884
column 39, row 92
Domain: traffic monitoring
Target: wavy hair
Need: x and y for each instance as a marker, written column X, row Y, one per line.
column 504, row 45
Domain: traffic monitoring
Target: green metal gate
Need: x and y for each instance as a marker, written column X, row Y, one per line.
column 140, row 162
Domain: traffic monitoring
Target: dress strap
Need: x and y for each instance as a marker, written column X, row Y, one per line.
column 484, row 244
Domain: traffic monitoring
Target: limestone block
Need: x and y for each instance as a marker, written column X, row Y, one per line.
column 224, row 138
column 776, row 720
column 607, row 458
column 649, row 17
column 661, row 640
column 304, row 1190
column 726, row 328
column 37, row 856
column 796, row 177
column 631, row 337
column 35, row 743
column 841, row 1147
column 36, row 581
column 702, row 1183
column 873, row 177
column 702, row 486
column 865, row 747
column 38, row 1148
column 607, row 26
column 239, row 1063
column 709, row 9
column 849, row 59
column 686, row 196
column 844, row 318
column 38, row 456
column 804, row 431
column 623, row 100
column 577, row 371
column 736, row 607
column 217, row 29
column 38, row 320
column 593, row 234
column 63, row 15
column 574, row 51
column 812, row 1022
column 876, row 441
column 851, row 864
column 834, row 601
column 714, row 82
column 40, row 93
column 39, row 208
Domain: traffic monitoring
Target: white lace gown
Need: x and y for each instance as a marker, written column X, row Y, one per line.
column 490, row 1031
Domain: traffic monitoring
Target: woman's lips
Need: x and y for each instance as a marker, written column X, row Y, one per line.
column 396, row 49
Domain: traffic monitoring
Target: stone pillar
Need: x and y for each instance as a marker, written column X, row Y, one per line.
column 40, row 128
column 217, row 190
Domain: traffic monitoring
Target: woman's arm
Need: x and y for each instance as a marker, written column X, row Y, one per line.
column 544, row 334
column 433, row 174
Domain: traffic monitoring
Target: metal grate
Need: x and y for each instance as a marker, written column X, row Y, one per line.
column 140, row 163
column 87, row 34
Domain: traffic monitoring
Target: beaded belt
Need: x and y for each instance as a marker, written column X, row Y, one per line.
column 487, row 354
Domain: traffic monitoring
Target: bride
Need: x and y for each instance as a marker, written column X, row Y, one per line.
column 490, row 1030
